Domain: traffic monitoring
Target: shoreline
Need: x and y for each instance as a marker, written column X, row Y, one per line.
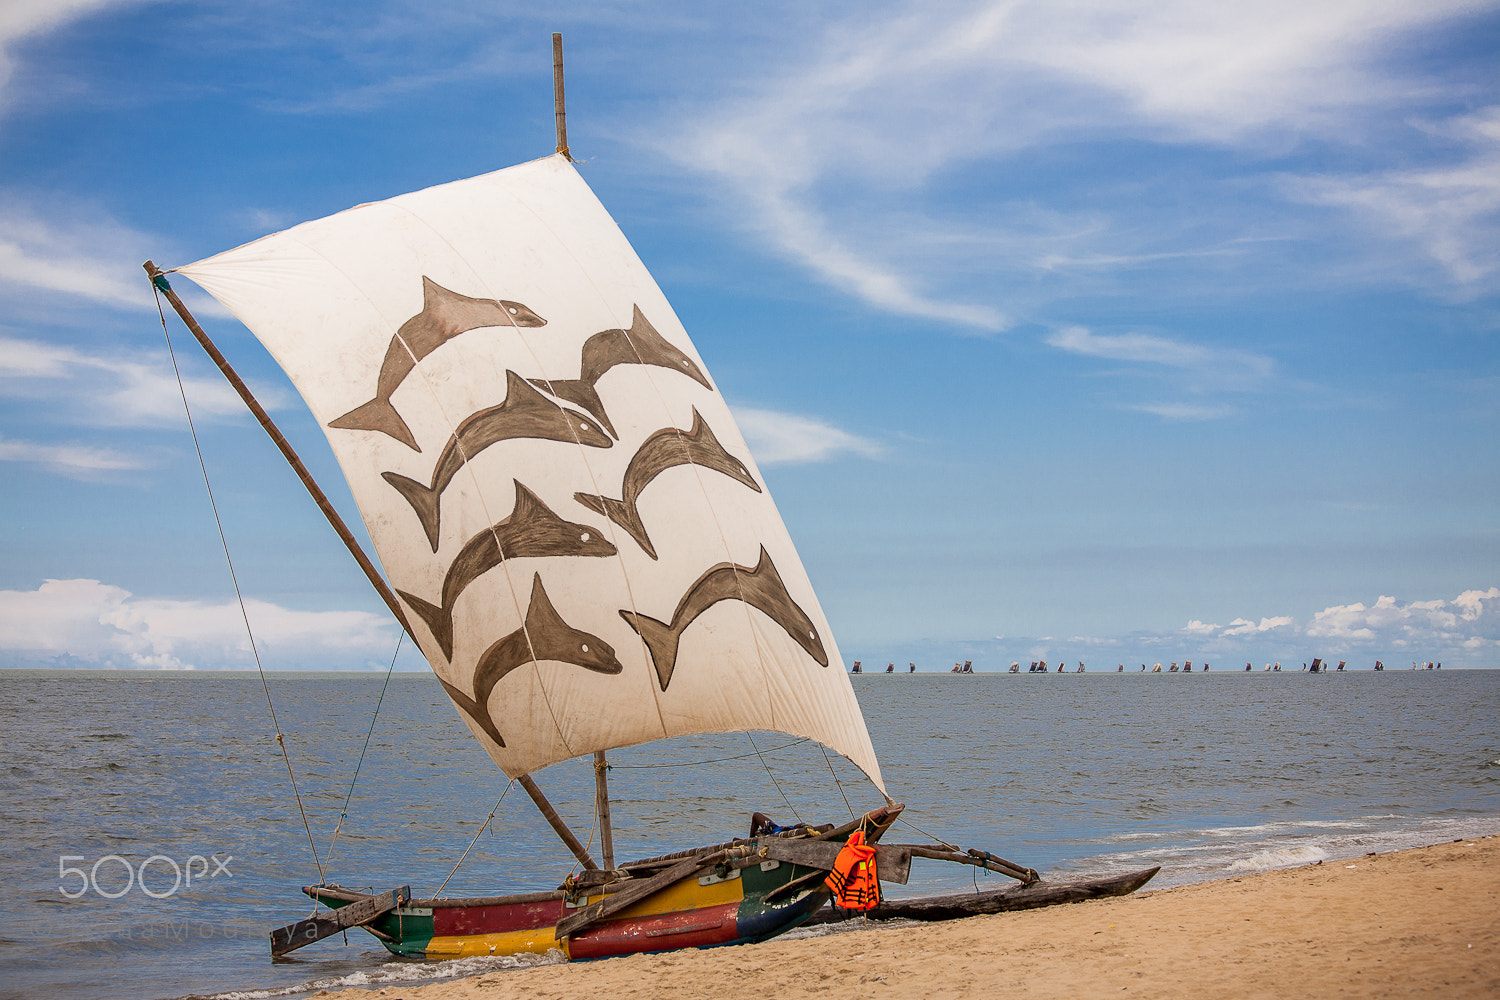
column 1418, row 922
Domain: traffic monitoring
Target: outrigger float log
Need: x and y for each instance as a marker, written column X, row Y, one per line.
column 575, row 535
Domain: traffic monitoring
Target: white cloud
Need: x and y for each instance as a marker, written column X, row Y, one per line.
column 895, row 98
column 1141, row 347
column 1244, row 626
column 118, row 391
column 76, row 460
column 92, row 623
column 22, row 18
column 1472, row 618
column 1467, row 623
column 1184, row 411
column 1451, row 212
column 1209, row 368
column 788, row 439
column 79, row 254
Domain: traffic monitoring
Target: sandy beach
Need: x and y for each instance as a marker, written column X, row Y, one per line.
column 1417, row 923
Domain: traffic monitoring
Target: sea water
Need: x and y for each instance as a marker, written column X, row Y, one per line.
column 152, row 836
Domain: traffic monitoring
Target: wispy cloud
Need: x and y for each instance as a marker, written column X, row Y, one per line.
column 74, row 460
column 20, row 19
column 777, row 438
column 86, row 622
column 117, row 390
column 1184, row 411
column 1151, row 349
column 1209, row 368
column 1450, row 212
column 98, row 261
column 813, row 150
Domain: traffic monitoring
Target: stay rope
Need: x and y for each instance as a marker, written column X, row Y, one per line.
column 836, row 780
column 439, row 891
column 240, row 597
column 769, row 774
column 717, row 760
column 344, row 812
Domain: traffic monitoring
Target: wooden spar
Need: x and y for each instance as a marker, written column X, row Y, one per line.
column 558, row 104
column 979, row 859
column 1017, row 897
column 558, row 826
column 601, row 800
column 159, row 279
column 636, row 890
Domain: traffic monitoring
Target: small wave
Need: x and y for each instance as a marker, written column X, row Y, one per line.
column 1281, row 857
column 391, row 973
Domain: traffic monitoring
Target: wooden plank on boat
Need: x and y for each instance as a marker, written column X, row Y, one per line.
column 892, row 863
column 973, row 904
column 609, row 905
column 305, row 932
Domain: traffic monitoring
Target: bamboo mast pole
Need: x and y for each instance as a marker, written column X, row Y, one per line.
column 559, row 109
column 159, row 279
column 601, row 799
column 558, row 826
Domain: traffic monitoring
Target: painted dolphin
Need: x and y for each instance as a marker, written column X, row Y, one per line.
column 761, row 588
column 525, row 413
column 530, row 530
column 665, row 449
column 445, row 315
column 640, row 345
column 544, row 636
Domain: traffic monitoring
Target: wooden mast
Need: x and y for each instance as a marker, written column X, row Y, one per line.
column 159, row 279
column 601, row 803
column 558, row 105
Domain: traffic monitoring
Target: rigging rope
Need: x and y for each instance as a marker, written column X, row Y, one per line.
column 716, row 760
column 836, row 780
column 939, row 840
column 265, row 685
column 439, row 891
column 763, row 764
column 344, row 812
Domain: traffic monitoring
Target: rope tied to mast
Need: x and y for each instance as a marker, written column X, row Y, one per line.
column 158, row 285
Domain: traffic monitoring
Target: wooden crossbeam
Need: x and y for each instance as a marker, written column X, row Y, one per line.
column 305, row 932
column 892, row 862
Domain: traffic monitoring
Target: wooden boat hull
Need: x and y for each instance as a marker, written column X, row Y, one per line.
column 696, row 913
column 1019, row 897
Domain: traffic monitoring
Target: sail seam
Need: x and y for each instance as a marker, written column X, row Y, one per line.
column 610, row 526
column 422, row 375
column 577, row 442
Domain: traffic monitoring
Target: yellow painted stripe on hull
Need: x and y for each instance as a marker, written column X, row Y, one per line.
column 537, row 941
column 688, row 895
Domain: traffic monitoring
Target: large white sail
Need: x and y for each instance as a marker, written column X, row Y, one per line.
column 583, row 544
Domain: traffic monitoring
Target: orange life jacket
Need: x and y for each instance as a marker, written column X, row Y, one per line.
column 853, row 879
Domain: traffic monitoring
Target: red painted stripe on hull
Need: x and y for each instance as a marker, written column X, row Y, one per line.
column 460, row 920
column 698, row 928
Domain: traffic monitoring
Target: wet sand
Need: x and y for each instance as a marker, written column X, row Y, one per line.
column 1417, row 923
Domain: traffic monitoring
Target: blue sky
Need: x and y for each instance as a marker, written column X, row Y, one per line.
column 1078, row 331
